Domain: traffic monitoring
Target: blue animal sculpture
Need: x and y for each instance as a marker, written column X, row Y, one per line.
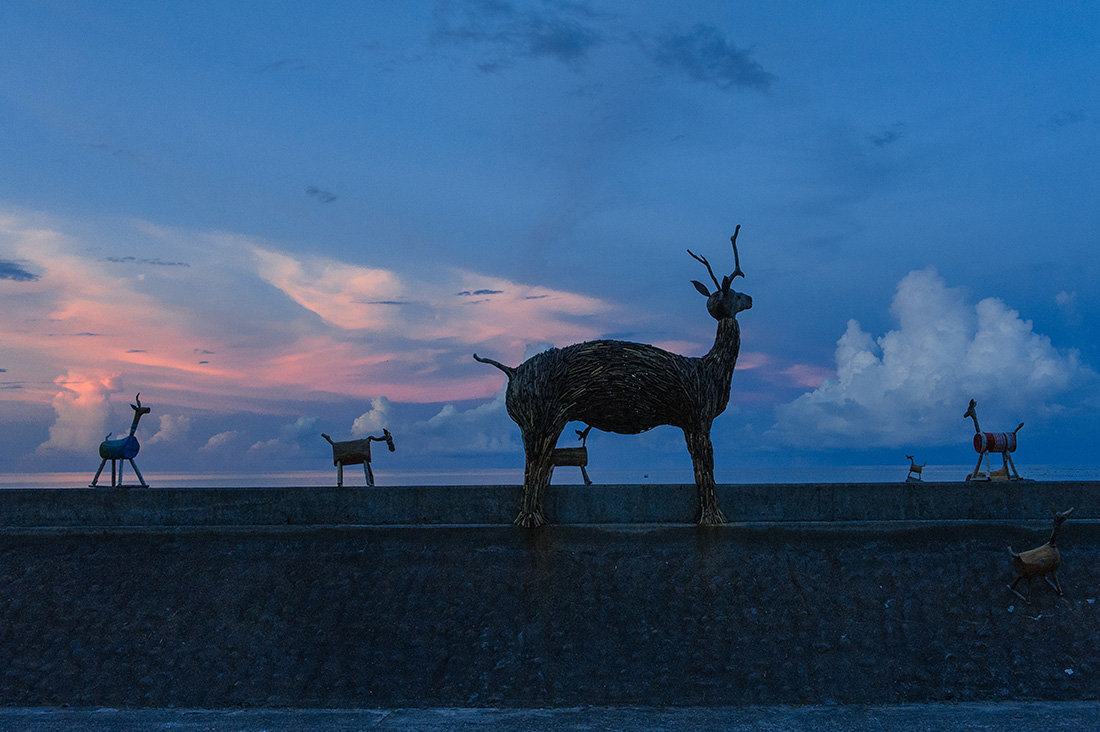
column 122, row 449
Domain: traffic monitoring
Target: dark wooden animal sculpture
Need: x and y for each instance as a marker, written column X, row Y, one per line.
column 987, row 442
column 1042, row 561
column 628, row 388
column 124, row 449
column 356, row 452
column 914, row 470
column 573, row 456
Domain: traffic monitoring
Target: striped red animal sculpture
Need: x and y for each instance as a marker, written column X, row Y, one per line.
column 574, row 456
column 356, row 452
column 987, row 442
column 123, row 449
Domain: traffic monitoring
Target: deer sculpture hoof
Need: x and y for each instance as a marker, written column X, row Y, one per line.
column 711, row 516
column 530, row 519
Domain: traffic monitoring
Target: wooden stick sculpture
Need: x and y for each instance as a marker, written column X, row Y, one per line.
column 1042, row 561
column 124, row 449
column 987, row 442
column 628, row 388
column 356, row 452
column 914, row 470
column 578, row 456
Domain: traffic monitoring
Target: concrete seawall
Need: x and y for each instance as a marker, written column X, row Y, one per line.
column 889, row 594
column 565, row 504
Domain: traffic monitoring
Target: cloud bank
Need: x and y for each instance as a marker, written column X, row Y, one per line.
column 703, row 54
column 912, row 384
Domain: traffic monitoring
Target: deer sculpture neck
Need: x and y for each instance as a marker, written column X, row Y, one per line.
column 973, row 414
column 720, row 360
column 1059, row 519
column 139, row 412
column 723, row 305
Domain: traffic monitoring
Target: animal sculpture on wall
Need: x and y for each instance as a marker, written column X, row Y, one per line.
column 574, row 456
column 628, row 388
column 1042, row 561
column 123, row 449
column 356, row 452
column 914, row 470
column 988, row 442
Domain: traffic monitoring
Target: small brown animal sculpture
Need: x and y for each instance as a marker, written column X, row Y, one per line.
column 578, row 456
column 1042, row 561
column 987, row 442
column 628, row 388
column 123, row 449
column 914, row 470
column 356, row 452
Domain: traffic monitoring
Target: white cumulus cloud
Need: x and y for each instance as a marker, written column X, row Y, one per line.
column 374, row 420
column 913, row 383
column 291, row 436
column 82, row 407
column 173, row 428
column 220, row 440
column 486, row 428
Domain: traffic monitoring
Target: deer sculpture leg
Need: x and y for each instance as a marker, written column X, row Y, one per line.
column 95, row 480
column 137, row 472
column 538, row 444
column 702, row 462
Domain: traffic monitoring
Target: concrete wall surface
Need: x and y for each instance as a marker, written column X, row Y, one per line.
column 565, row 504
column 562, row 616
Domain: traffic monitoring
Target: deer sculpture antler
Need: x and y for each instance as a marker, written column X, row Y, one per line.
column 727, row 280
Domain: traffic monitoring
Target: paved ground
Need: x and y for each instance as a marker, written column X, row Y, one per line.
column 1005, row 717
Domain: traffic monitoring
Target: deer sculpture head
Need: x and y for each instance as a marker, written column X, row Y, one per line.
column 139, row 412
column 724, row 302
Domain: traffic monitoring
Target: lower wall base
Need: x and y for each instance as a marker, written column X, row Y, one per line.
column 561, row 616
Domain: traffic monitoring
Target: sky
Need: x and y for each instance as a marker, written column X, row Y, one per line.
column 279, row 219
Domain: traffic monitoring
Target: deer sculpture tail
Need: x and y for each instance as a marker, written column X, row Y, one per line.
column 509, row 371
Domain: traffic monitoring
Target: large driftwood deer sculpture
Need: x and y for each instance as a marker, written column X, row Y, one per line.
column 628, row 388
column 125, row 448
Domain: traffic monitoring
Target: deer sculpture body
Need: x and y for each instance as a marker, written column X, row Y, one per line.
column 125, row 448
column 628, row 388
column 987, row 442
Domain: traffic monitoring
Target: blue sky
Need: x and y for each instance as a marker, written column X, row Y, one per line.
column 278, row 219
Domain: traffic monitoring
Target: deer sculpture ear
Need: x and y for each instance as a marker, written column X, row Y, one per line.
column 726, row 283
column 701, row 288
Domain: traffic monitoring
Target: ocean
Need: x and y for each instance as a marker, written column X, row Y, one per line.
column 566, row 475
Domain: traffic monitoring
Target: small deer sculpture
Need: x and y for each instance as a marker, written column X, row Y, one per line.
column 628, row 388
column 574, row 456
column 914, row 470
column 356, row 452
column 987, row 442
column 123, row 449
column 1042, row 561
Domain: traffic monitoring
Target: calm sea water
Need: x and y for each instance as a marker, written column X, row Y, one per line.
column 802, row 474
